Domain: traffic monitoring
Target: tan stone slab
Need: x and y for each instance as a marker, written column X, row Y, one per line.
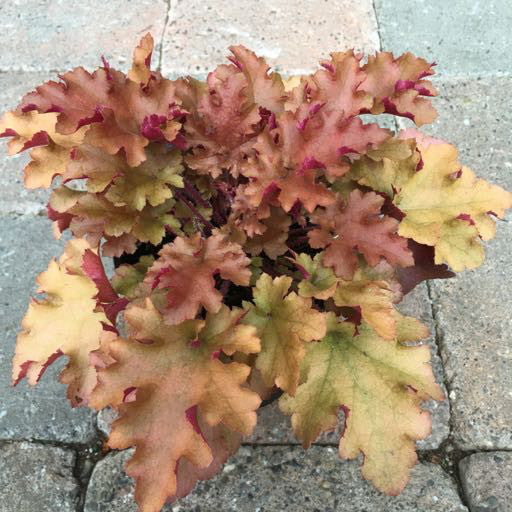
column 291, row 34
column 61, row 34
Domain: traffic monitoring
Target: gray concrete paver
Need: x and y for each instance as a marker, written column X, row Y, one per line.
column 41, row 413
column 463, row 37
column 37, row 478
column 283, row 478
column 473, row 309
column 487, row 481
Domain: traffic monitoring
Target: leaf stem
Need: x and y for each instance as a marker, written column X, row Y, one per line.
column 195, row 211
column 193, row 194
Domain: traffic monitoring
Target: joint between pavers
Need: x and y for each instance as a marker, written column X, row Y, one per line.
column 377, row 23
column 94, row 444
column 86, row 458
column 85, row 462
column 438, row 337
column 166, row 23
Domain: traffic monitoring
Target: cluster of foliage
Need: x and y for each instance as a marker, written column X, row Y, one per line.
column 271, row 232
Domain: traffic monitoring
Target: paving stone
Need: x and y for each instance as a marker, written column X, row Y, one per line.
column 282, row 478
column 292, row 35
column 43, row 412
column 462, row 36
column 63, row 34
column 487, row 481
column 473, row 309
column 14, row 198
column 475, row 115
column 274, row 427
column 37, row 478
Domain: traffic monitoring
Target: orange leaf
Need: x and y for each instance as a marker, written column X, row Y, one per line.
column 185, row 270
column 358, row 227
column 176, row 373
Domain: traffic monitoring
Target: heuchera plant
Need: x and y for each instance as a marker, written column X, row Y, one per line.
column 267, row 235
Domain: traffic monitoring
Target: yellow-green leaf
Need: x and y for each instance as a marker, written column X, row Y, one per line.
column 380, row 385
column 320, row 281
column 442, row 195
column 375, row 299
column 284, row 322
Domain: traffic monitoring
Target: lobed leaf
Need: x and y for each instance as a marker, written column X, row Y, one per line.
column 185, row 270
column 69, row 321
column 374, row 299
column 357, row 226
column 387, row 167
column 284, row 322
column 379, row 385
column 445, row 206
column 120, row 113
column 319, row 282
column 397, row 86
column 179, row 367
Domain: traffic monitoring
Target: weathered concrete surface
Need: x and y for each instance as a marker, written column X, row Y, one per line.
column 475, row 324
column 473, row 310
column 36, row 478
column 487, row 481
column 42, row 413
column 292, row 35
column 282, row 479
column 62, row 34
column 14, row 198
column 461, row 36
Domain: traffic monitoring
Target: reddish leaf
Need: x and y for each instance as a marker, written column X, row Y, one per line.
column 185, row 270
column 356, row 227
column 397, row 86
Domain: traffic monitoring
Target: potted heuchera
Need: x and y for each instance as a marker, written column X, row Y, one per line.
column 263, row 235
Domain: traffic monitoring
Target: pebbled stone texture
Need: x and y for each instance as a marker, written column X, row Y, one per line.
column 487, row 481
column 283, row 479
column 475, row 325
column 37, row 478
column 462, row 37
column 200, row 31
column 62, row 34
column 41, row 413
